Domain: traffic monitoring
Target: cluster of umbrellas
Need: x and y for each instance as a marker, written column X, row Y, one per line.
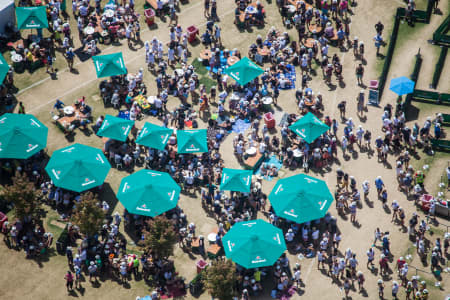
column 78, row 168
column 154, row 136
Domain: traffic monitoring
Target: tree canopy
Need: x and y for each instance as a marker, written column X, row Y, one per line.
column 23, row 194
column 160, row 238
column 88, row 215
column 220, row 279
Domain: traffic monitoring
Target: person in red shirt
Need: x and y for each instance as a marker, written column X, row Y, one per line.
column 69, row 281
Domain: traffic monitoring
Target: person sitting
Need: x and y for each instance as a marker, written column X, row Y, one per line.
column 127, row 159
column 206, row 38
column 59, row 106
column 86, row 110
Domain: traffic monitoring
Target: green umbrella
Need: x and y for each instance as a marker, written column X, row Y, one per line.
column 115, row 128
column 254, row 244
column 149, row 193
column 109, row 65
column 154, row 136
column 244, row 71
column 4, row 68
column 78, row 167
column 309, row 127
column 33, row 17
column 192, row 141
column 301, row 198
column 21, row 136
column 236, row 180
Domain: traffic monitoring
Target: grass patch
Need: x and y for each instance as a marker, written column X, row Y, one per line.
column 208, row 82
column 200, row 69
column 406, row 32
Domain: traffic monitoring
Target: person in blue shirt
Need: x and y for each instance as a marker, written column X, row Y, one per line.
column 379, row 184
column 378, row 42
column 437, row 131
column 69, row 57
column 59, row 105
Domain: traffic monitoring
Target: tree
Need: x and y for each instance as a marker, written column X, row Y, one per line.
column 23, row 194
column 88, row 215
column 160, row 237
column 220, row 279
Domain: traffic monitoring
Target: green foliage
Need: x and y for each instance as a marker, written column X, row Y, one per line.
column 160, row 238
column 88, row 214
column 24, row 196
column 220, row 279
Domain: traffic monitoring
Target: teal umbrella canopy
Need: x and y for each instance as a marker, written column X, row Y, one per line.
column 254, row 244
column 109, row 65
column 78, row 167
column 309, row 128
column 21, row 136
column 236, row 180
column 148, row 193
column 301, row 198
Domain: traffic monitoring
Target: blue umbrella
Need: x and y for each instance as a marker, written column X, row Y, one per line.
column 402, row 85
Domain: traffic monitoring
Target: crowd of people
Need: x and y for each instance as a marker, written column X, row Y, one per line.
column 318, row 28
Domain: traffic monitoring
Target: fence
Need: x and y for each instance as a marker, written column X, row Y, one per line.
column 439, row 67
column 418, row 16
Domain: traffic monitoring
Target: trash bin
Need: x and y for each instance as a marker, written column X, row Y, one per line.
column 201, row 265
column 149, row 16
column 269, row 120
column 192, row 33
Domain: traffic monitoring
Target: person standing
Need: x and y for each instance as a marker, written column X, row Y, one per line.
column 21, row 108
column 379, row 28
column 206, row 11
column 69, row 281
column 359, row 74
column 378, row 42
column 360, row 104
column 50, row 63
column 69, row 55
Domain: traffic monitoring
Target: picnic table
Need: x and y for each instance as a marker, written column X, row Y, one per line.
column 232, row 60
column 309, row 43
column 205, row 54
column 297, row 3
column 244, row 12
column 252, row 162
column 314, row 28
column 71, row 114
column 264, row 51
column 213, row 251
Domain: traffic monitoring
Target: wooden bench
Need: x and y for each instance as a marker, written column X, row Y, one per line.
column 425, row 95
column 440, row 144
column 444, row 98
column 446, row 119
